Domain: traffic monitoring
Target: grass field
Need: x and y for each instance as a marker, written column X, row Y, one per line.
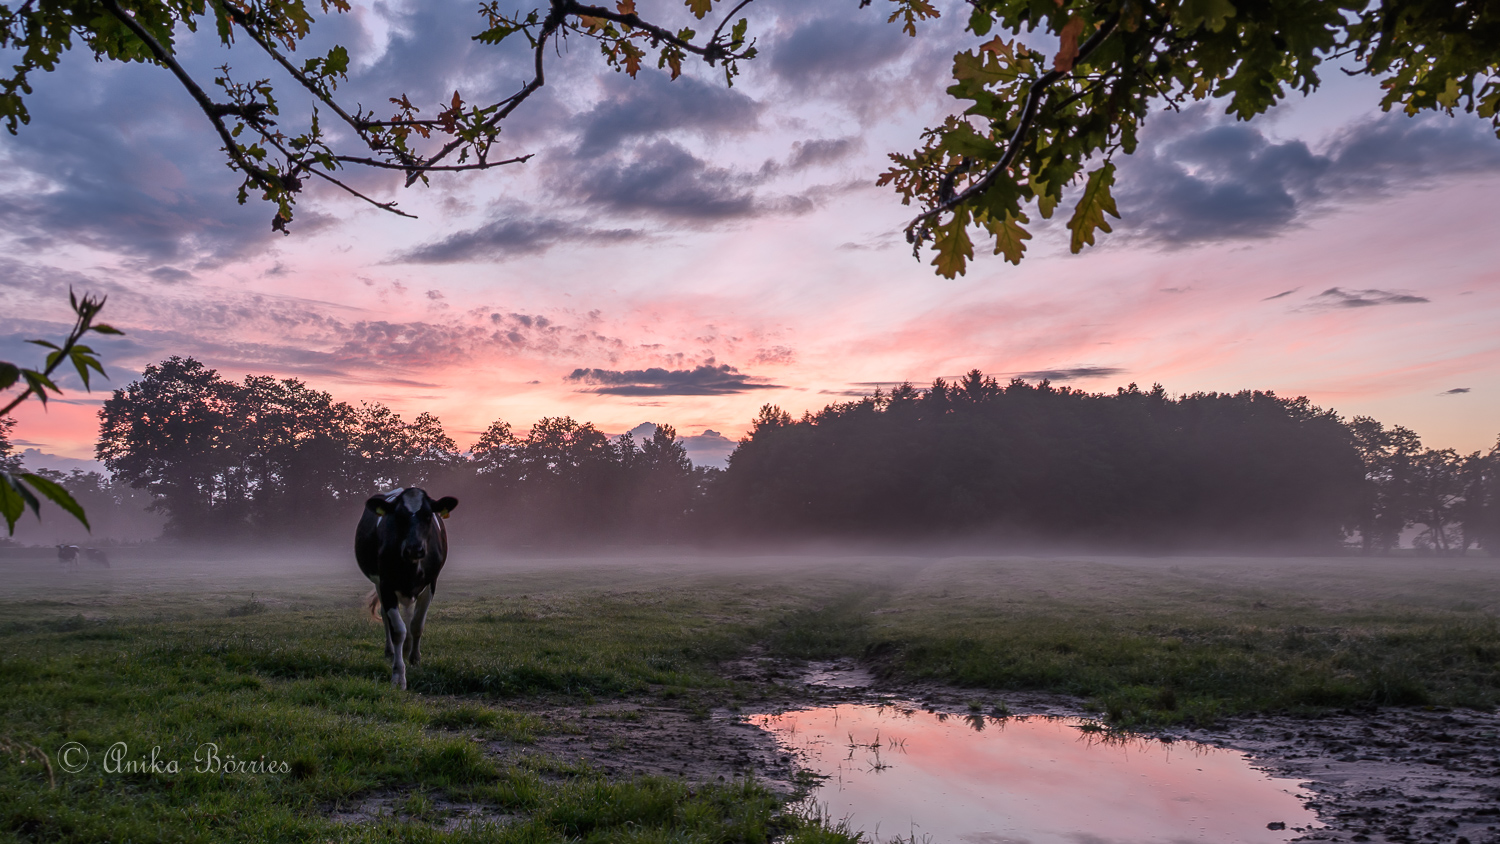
column 269, row 658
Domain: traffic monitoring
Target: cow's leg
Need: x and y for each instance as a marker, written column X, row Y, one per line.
column 396, row 635
column 406, row 616
column 418, row 617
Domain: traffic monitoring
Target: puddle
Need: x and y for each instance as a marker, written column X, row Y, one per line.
column 975, row 779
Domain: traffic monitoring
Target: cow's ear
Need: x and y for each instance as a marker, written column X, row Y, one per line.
column 377, row 503
column 443, row 506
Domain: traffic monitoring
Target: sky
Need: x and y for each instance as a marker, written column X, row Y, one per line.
column 683, row 252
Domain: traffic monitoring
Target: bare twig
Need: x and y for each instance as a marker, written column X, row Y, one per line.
column 481, row 165
column 384, row 206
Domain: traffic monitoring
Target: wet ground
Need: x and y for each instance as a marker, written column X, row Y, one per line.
column 1392, row 775
column 1398, row 775
column 1395, row 775
column 651, row 738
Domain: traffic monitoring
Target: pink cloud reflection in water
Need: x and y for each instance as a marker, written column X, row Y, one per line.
column 1028, row 781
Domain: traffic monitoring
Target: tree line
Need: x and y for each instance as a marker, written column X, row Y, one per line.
column 1036, row 461
column 273, row 457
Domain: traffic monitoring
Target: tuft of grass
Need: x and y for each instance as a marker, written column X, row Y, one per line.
column 250, row 607
column 490, row 722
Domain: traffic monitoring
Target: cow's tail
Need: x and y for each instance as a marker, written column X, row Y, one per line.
column 374, row 604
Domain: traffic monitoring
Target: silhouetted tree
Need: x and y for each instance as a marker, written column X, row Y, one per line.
column 1437, row 491
column 220, row 458
column 661, row 484
column 1486, row 513
column 175, row 433
column 565, row 480
column 9, row 460
column 1386, row 505
column 1036, row 459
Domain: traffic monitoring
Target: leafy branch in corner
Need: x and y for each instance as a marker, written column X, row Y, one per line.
column 19, row 490
column 1035, row 127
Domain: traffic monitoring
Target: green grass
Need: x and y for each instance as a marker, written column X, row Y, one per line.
column 299, row 677
column 310, row 689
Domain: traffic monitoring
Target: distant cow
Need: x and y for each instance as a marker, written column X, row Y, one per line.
column 401, row 546
column 96, row 555
column 67, row 554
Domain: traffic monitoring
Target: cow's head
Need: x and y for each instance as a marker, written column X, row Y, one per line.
column 408, row 522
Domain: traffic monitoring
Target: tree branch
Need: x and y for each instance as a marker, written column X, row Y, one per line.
column 384, row 206
column 550, row 25
column 710, row 51
column 215, row 111
column 918, row 229
column 386, row 165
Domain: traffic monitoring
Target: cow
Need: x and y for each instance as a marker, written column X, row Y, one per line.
column 67, row 554
column 96, row 555
column 401, row 546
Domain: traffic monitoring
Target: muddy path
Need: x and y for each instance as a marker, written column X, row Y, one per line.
column 1392, row 775
column 1389, row 775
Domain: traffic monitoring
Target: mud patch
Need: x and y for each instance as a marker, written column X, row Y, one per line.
column 1391, row 775
column 838, row 674
column 649, row 738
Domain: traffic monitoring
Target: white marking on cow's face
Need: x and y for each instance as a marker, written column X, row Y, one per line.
column 413, row 499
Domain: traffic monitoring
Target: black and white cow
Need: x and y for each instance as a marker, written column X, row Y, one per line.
column 67, row 554
column 401, row 546
column 96, row 555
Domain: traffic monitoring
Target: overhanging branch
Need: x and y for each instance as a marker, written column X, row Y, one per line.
column 920, row 228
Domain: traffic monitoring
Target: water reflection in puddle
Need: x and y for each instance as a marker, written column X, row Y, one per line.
column 950, row 779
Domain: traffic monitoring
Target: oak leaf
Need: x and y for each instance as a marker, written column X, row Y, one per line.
column 953, row 247
column 1067, row 51
column 1096, row 201
column 1010, row 238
